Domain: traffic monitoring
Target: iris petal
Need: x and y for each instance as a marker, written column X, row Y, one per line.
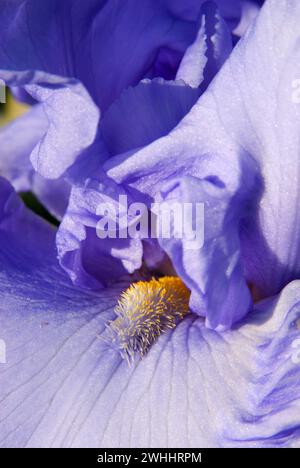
column 244, row 134
column 213, row 272
column 65, row 104
column 54, row 44
column 206, row 55
column 141, row 115
column 90, row 261
column 17, row 141
column 63, row 386
column 67, row 38
column 144, row 113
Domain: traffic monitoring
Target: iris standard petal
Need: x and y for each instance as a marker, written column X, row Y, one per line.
column 65, row 39
column 235, row 12
column 42, row 42
column 206, row 55
column 267, row 124
column 250, row 10
column 148, row 28
column 65, row 104
column 66, row 110
column 74, row 39
column 144, row 113
column 243, row 132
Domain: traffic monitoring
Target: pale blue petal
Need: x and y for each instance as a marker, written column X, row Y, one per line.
column 144, row 113
column 92, row 262
column 63, row 386
column 17, row 141
column 65, row 103
column 213, row 44
column 243, row 133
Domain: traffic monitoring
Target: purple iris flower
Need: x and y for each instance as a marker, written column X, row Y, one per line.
column 148, row 99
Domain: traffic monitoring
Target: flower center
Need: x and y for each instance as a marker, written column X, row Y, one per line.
column 145, row 310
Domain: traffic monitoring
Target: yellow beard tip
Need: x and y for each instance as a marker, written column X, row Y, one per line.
column 144, row 311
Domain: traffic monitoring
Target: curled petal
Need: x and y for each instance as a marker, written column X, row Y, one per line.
column 93, row 262
column 213, row 271
column 74, row 39
column 141, row 115
column 17, row 140
column 206, row 55
column 232, row 136
column 65, row 103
